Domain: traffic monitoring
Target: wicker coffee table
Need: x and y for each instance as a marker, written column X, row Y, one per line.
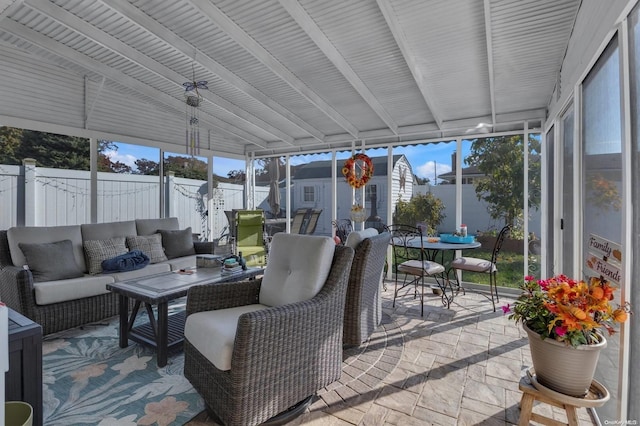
column 165, row 331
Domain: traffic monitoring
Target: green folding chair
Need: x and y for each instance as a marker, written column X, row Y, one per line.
column 250, row 228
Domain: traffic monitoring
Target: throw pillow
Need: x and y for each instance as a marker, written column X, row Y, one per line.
column 98, row 250
column 151, row 245
column 177, row 243
column 51, row 261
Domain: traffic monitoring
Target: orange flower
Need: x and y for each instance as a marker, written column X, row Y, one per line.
column 568, row 310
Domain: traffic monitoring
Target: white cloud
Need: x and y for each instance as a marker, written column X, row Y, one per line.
column 431, row 169
column 127, row 159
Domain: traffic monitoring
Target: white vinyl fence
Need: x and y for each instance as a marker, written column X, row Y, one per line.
column 39, row 196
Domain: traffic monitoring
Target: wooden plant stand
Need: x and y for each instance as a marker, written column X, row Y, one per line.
column 532, row 391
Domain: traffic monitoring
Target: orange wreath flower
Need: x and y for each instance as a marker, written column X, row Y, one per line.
column 358, row 170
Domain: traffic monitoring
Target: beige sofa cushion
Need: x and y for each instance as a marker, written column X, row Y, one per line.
column 49, row 292
column 44, row 234
column 104, row 231
column 151, row 226
column 213, row 333
column 298, row 268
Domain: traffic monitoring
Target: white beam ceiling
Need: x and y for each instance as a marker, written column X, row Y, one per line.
column 190, row 52
column 221, row 20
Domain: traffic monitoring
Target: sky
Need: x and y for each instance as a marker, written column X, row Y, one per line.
column 427, row 160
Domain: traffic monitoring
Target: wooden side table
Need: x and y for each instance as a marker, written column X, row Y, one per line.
column 23, row 381
column 596, row 397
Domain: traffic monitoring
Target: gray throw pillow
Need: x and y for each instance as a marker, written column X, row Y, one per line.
column 177, row 243
column 151, row 245
column 98, row 250
column 51, row 261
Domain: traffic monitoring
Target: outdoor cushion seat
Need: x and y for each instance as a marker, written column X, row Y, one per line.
column 473, row 264
column 213, row 333
column 49, row 292
column 417, row 267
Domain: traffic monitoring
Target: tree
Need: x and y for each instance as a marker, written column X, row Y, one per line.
column 238, row 176
column 501, row 160
column 147, row 167
column 186, row 167
column 421, row 208
column 56, row 151
column 10, row 141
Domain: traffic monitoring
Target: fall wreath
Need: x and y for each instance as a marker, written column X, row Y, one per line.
column 357, row 170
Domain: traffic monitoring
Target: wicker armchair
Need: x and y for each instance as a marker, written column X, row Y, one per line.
column 363, row 312
column 281, row 354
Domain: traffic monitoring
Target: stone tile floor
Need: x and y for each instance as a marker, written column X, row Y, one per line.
column 457, row 366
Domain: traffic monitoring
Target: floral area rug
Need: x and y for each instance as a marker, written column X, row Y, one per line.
column 89, row 380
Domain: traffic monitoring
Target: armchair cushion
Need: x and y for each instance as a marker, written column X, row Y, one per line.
column 298, row 268
column 355, row 237
column 213, row 333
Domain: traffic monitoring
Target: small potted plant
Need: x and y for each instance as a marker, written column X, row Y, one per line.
column 358, row 213
column 564, row 319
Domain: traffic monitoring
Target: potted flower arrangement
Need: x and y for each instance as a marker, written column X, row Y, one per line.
column 564, row 319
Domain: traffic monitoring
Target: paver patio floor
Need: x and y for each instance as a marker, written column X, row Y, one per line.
column 457, row 366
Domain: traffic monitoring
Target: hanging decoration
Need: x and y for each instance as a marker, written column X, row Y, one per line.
column 357, row 170
column 193, row 99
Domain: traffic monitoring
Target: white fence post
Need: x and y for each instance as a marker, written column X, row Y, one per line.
column 30, row 199
column 170, row 200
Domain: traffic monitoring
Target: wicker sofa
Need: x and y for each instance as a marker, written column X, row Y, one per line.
column 59, row 304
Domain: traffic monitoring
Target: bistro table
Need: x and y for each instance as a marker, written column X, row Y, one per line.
column 431, row 251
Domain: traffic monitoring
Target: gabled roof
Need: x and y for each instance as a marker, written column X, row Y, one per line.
column 322, row 169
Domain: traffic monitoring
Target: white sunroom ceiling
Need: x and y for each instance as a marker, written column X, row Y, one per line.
column 283, row 75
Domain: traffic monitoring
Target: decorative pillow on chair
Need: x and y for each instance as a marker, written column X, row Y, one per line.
column 51, row 261
column 298, row 268
column 356, row 237
column 177, row 243
column 151, row 245
column 98, row 250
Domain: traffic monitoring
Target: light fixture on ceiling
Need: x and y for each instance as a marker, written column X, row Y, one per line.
column 193, row 99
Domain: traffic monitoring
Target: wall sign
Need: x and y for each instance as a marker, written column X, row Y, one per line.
column 604, row 258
